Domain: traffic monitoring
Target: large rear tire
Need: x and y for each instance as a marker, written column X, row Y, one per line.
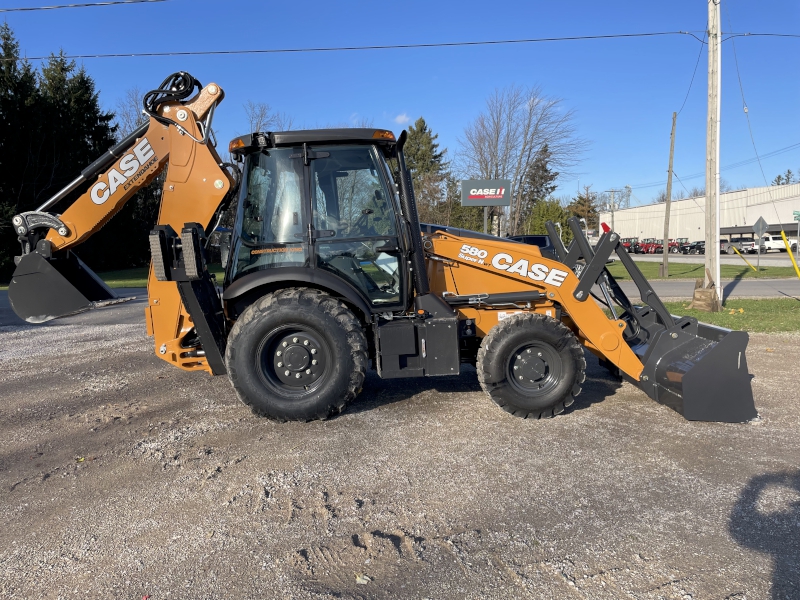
column 531, row 365
column 297, row 355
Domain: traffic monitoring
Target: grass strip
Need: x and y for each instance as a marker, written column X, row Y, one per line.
column 771, row 315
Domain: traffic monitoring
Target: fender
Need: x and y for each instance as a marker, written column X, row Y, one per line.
column 248, row 288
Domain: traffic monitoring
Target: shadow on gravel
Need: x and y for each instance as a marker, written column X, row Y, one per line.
column 377, row 392
column 766, row 518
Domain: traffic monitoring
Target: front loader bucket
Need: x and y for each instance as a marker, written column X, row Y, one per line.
column 42, row 288
column 696, row 369
column 700, row 371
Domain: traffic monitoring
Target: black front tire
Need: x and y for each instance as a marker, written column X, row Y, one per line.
column 531, row 365
column 297, row 354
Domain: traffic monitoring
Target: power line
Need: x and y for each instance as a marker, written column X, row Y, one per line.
column 699, row 54
column 358, row 48
column 83, row 5
column 735, row 165
column 749, row 126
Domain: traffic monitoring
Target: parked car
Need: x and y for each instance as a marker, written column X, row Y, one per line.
column 775, row 242
column 656, row 247
column 698, row 247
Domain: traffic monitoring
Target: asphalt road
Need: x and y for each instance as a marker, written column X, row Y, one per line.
column 123, row 477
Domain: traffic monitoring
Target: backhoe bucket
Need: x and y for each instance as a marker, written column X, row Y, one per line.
column 43, row 289
column 700, row 371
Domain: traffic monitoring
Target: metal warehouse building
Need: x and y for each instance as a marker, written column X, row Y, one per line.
column 739, row 209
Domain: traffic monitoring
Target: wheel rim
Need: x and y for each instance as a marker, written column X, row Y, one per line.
column 535, row 368
column 293, row 360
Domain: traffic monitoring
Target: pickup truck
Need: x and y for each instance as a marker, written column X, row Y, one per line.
column 742, row 244
column 775, row 242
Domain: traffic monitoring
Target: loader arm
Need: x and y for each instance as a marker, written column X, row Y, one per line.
column 696, row 369
column 50, row 281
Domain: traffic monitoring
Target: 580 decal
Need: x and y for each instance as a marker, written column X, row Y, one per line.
column 522, row 267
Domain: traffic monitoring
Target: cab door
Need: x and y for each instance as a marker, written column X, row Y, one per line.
column 355, row 228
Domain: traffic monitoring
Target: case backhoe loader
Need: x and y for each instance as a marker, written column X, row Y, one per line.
column 328, row 269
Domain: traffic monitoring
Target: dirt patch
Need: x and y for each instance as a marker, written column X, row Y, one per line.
column 121, row 477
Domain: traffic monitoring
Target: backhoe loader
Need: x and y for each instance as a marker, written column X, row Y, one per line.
column 328, row 271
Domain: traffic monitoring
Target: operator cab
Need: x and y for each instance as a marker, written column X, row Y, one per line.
column 320, row 200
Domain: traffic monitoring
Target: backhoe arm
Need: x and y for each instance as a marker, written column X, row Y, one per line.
column 50, row 281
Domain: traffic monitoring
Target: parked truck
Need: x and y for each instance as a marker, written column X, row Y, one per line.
column 775, row 242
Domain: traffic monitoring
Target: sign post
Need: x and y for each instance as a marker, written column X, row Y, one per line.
column 759, row 228
column 485, row 193
column 796, row 214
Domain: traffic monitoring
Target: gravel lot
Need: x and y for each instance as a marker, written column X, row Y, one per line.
column 121, row 477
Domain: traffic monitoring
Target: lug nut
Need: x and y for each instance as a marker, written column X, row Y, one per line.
column 313, row 362
column 519, row 356
column 520, row 376
column 308, row 371
column 278, row 353
column 284, row 344
column 297, row 376
column 294, row 340
column 539, row 355
column 529, row 351
column 305, row 342
column 280, row 365
column 313, row 351
column 286, row 373
column 516, row 367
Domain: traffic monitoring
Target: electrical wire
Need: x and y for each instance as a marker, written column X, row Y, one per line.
column 696, row 64
column 84, row 5
column 735, row 165
column 361, row 48
column 749, row 126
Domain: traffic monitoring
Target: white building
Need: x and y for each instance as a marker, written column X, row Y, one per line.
column 739, row 209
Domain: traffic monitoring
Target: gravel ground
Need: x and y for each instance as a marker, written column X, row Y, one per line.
column 121, row 477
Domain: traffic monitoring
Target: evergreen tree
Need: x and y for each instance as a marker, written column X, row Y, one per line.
column 548, row 209
column 584, row 206
column 423, row 156
column 428, row 172
column 537, row 185
column 51, row 128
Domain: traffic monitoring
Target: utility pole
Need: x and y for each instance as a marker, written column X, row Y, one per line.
column 712, row 274
column 612, row 211
column 665, row 264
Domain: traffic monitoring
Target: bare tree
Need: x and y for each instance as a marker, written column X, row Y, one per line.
column 261, row 117
column 502, row 141
column 129, row 113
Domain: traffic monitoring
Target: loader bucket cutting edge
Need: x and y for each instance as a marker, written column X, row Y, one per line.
column 43, row 289
column 702, row 373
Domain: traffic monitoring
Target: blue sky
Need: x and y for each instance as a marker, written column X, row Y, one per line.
column 623, row 91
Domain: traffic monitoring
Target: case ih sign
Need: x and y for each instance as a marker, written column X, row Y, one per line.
column 485, row 192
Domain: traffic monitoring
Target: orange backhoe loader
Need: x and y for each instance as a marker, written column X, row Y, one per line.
column 328, row 268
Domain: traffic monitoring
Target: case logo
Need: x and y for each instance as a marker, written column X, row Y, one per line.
column 133, row 166
column 505, row 262
column 536, row 271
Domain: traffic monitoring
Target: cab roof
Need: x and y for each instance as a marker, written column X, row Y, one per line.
column 277, row 139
